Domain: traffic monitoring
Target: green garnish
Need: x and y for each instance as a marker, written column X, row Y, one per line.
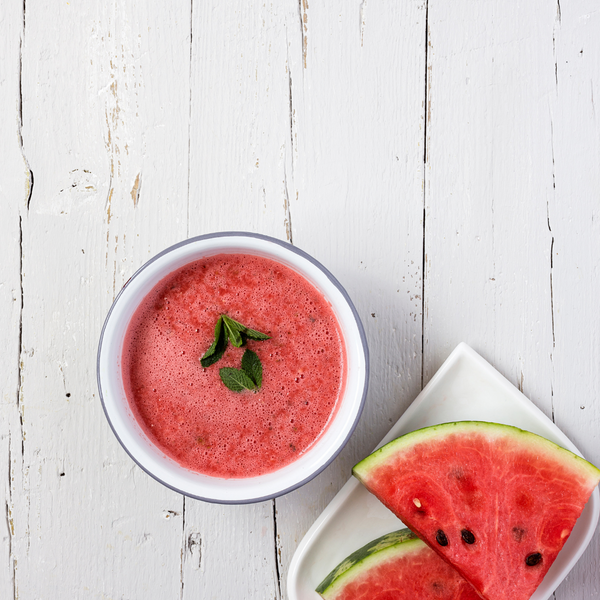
column 216, row 351
column 252, row 366
column 255, row 335
column 249, row 377
column 237, row 332
column 234, row 330
column 236, row 379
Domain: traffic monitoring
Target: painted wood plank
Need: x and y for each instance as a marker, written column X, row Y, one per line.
column 229, row 551
column 14, row 194
column 574, row 219
column 239, row 132
column 239, row 124
column 490, row 76
column 145, row 123
column 493, row 214
column 354, row 171
column 105, row 104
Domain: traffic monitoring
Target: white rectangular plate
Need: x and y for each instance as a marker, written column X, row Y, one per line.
column 466, row 388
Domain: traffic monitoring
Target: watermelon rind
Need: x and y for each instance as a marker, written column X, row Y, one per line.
column 386, row 547
column 435, row 432
column 394, row 542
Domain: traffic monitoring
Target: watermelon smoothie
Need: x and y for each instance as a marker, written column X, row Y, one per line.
column 188, row 412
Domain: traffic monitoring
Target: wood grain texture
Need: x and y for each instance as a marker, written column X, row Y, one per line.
column 574, row 217
column 488, row 182
column 238, row 132
column 441, row 160
column 355, row 193
column 239, row 123
column 88, row 523
column 495, row 110
column 15, row 182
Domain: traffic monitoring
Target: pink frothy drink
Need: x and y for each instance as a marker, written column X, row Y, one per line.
column 188, row 412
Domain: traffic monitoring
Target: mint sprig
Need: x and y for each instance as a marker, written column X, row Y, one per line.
column 249, row 377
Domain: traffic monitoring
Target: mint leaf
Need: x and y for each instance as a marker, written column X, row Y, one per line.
column 253, row 334
column 234, row 330
column 236, row 379
column 250, row 375
column 217, row 349
column 235, row 324
column 252, row 366
column 256, row 335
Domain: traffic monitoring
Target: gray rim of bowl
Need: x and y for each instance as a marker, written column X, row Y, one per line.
column 333, row 280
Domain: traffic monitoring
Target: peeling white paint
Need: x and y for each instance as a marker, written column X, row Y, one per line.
column 440, row 159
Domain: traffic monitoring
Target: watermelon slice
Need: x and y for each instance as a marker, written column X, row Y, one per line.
column 397, row 566
column 496, row 502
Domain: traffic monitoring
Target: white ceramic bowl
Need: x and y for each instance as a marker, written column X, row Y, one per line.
column 148, row 456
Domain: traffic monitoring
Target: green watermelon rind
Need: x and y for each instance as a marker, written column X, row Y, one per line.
column 384, row 548
column 436, row 432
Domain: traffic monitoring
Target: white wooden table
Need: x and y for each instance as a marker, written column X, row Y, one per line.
column 440, row 158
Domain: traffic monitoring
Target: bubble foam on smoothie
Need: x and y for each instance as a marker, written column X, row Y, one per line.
column 186, row 409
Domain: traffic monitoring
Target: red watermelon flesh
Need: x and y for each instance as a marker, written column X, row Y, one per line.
column 496, row 502
column 396, row 566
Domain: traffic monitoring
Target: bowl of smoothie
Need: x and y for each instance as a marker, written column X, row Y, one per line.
column 233, row 367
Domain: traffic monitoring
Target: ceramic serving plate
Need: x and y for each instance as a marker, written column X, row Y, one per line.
column 466, row 388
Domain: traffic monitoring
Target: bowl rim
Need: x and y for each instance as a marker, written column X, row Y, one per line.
column 363, row 344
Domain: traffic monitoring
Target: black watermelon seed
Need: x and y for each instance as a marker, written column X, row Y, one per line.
column 533, row 559
column 518, row 533
column 467, row 536
column 440, row 538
